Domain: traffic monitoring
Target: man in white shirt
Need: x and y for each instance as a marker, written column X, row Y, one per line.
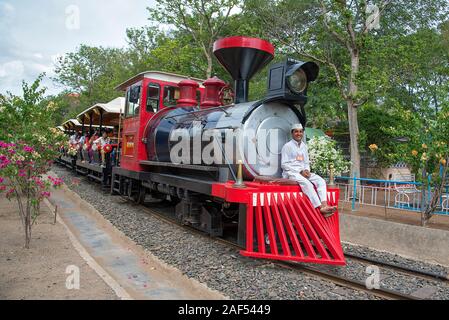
column 73, row 139
column 295, row 165
column 102, row 141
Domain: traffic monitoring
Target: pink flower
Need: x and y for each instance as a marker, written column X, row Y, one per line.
column 12, row 151
column 10, row 192
column 28, row 149
column 22, row 173
column 45, row 194
column 4, row 161
column 2, row 188
column 1, row 179
column 56, row 181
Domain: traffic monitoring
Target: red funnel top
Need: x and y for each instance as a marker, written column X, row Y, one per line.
column 243, row 57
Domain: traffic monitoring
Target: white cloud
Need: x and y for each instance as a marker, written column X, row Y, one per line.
column 33, row 34
column 12, row 69
column 38, row 55
column 6, row 9
column 39, row 68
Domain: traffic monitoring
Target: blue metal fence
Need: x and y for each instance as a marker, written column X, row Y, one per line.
column 404, row 195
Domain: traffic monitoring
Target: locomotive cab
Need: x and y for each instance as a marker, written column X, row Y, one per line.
column 146, row 94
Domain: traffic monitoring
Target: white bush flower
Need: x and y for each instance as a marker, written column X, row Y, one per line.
column 322, row 153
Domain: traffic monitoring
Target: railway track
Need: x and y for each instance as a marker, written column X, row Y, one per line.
column 401, row 269
column 316, row 271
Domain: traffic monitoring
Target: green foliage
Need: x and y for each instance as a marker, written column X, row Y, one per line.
column 93, row 73
column 152, row 49
column 28, row 145
column 202, row 20
column 386, row 129
column 404, row 65
column 404, row 62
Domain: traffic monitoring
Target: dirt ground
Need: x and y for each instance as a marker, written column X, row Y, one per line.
column 40, row 272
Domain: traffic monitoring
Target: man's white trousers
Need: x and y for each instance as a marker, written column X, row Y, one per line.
column 307, row 187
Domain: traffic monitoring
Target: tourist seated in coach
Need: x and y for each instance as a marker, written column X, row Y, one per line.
column 295, row 165
column 73, row 140
column 82, row 143
column 87, row 147
column 93, row 147
column 101, row 142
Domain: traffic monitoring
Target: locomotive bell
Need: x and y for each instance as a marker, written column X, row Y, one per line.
column 243, row 57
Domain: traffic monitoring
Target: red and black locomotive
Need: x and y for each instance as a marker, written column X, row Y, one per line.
column 170, row 122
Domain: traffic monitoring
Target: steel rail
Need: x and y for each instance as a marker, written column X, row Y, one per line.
column 409, row 271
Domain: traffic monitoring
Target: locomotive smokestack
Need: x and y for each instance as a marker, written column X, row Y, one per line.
column 243, row 57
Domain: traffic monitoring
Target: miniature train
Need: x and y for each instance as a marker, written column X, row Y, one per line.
column 219, row 163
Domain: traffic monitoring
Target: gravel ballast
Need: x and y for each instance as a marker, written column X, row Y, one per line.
column 223, row 269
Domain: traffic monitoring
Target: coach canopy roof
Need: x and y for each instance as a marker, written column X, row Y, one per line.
column 111, row 113
column 156, row 75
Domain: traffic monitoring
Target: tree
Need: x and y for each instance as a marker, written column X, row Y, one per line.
column 203, row 20
column 93, row 72
column 341, row 36
column 153, row 49
column 28, row 145
column 427, row 150
column 421, row 72
column 66, row 106
column 417, row 92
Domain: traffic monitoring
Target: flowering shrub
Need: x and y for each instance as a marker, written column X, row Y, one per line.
column 323, row 153
column 427, row 153
column 72, row 151
column 21, row 175
column 28, row 145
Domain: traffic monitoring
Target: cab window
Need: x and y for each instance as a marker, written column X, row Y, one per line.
column 153, row 98
column 132, row 102
column 171, row 96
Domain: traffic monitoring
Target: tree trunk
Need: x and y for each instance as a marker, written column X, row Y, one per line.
column 424, row 196
column 28, row 228
column 209, row 65
column 354, row 137
column 352, row 114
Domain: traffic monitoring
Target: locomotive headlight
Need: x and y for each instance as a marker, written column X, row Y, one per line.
column 297, row 82
column 289, row 80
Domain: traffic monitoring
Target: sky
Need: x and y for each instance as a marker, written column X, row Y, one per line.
column 34, row 33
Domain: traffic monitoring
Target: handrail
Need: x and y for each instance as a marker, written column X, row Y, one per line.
column 380, row 181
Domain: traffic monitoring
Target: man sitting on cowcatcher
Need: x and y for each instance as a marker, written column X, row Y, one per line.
column 295, row 166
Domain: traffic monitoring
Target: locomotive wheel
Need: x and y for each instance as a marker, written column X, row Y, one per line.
column 139, row 197
column 174, row 200
column 135, row 191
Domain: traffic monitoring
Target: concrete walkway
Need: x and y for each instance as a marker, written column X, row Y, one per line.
column 132, row 272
